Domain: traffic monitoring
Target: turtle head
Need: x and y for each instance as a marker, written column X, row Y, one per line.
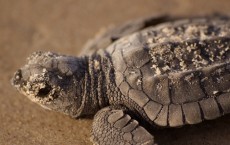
column 53, row 81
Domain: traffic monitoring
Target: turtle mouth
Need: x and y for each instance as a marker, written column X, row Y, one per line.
column 45, row 107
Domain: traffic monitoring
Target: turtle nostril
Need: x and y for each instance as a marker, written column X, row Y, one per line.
column 18, row 74
column 17, row 77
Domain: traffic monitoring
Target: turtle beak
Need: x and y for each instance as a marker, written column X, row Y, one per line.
column 17, row 81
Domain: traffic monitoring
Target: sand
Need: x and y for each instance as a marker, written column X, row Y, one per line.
column 64, row 26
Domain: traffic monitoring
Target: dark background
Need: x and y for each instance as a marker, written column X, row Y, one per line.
column 64, row 26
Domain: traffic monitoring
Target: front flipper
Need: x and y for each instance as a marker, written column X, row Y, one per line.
column 114, row 126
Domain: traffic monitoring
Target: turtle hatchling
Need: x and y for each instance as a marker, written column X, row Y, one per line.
column 148, row 73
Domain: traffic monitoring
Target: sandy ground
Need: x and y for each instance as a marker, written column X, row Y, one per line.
column 64, row 26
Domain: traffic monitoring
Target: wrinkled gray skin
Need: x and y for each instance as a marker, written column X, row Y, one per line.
column 173, row 73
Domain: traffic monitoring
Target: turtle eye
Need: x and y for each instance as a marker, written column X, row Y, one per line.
column 44, row 91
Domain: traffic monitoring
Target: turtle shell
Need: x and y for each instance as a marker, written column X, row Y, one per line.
column 178, row 72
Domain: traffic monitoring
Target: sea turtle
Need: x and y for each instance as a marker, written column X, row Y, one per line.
column 148, row 73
